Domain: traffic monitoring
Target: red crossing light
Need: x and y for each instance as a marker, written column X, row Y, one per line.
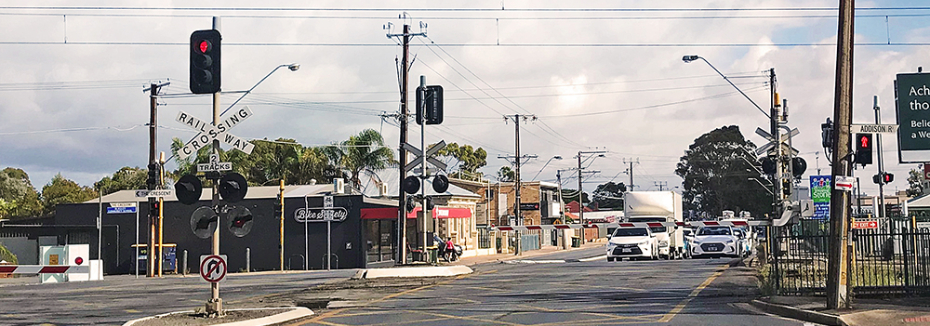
column 78, row 261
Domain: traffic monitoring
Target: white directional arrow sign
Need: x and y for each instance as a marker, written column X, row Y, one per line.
column 429, row 156
column 209, row 132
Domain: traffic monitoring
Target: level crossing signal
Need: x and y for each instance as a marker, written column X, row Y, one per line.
column 863, row 149
column 205, row 61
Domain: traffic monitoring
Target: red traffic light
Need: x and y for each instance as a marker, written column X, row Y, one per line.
column 78, row 261
column 864, row 141
column 205, row 46
column 888, row 177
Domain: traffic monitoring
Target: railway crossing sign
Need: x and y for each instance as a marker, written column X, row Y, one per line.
column 208, row 132
column 214, row 165
column 429, row 156
column 783, row 139
column 213, row 268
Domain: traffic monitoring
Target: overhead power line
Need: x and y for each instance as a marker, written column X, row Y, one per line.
column 495, row 9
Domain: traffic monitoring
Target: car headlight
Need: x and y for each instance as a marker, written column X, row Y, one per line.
column 644, row 243
column 730, row 241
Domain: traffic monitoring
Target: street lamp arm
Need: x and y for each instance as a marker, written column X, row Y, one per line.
column 734, row 85
column 292, row 66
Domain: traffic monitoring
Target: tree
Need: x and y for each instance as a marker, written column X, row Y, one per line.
column 64, row 191
column 915, row 183
column 717, row 170
column 364, row 152
column 570, row 195
column 20, row 197
column 7, row 255
column 126, row 178
column 469, row 160
column 610, row 195
column 506, row 174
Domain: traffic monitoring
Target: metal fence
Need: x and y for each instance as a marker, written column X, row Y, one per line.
column 484, row 238
column 892, row 259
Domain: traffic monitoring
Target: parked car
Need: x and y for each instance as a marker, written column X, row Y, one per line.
column 745, row 242
column 715, row 241
column 441, row 244
column 632, row 243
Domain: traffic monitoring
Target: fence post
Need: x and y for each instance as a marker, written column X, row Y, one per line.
column 248, row 260
column 184, row 263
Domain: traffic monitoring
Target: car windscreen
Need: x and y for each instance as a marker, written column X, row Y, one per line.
column 631, row 232
column 714, row 231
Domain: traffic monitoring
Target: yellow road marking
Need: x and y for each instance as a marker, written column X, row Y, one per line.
column 132, row 311
column 694, row 293
column 464, row 318
column 614, row 317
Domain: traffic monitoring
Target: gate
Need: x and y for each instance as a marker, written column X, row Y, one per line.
column 893, row 259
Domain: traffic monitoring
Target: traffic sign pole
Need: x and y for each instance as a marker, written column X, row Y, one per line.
column 215, row 305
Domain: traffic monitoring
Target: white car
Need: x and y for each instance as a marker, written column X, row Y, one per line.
column 715, row 241
column 632, row 243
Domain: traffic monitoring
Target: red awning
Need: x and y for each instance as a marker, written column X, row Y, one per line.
column 438, row 212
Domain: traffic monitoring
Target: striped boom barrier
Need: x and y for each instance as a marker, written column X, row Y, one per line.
column 631, row 225
column 43, row 269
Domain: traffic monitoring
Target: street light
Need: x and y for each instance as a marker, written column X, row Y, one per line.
column 689, row 58
column 557, row 157
column 292, row 67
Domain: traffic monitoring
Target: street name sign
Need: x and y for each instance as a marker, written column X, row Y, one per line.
column 207, row 132
column 129, row 204
column 873, row 129
column 871, row 224
column 121, row 210
column 913, row 115
column 923, row 225
column 155, row 193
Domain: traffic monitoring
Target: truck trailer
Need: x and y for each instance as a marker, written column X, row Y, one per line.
column 658, row 206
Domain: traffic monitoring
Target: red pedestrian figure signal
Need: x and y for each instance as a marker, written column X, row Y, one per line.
column 863, row 149
column 863, row 140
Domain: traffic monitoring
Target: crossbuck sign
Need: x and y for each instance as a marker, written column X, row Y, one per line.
column 208, row 132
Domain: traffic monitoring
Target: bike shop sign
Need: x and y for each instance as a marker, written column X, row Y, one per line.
column 320, row 214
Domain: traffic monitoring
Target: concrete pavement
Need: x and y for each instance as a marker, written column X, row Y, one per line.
column 913, row 311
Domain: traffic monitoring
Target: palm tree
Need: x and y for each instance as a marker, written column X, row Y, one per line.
column 363, row 152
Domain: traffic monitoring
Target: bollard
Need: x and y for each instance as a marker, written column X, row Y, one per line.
column 184, row 263
column 248, row 260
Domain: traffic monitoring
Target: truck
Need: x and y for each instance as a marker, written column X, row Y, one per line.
column 658, row 206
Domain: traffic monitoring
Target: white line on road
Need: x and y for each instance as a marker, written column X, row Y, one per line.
column 601, row 257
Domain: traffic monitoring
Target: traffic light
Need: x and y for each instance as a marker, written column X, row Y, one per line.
column 239, row 221
column 888, row 177
column 768, row 165
column 233, row 187
column 278, row 207
column 203, row 222
column 877, row 179
column 433, row 99
column 153, row 208
column 863, row 149
column 827, row 134
column 786, row 187
column 410, row 204
column 205, row 61
column 152, row 181
column 440, row 184
column 188, row 189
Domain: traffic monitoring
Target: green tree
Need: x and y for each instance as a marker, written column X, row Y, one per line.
column 717, row 169
column 64, row 191
column 364, row 152
column 506, row 174
column 126, row 178
column 469, row 160
column 915, row 183
column 188, row 165
column 7, row 255
column 610, row 195
column 570, row 195
column 20, row 197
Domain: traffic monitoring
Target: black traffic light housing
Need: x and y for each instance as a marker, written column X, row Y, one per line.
column 883, row 178
column 786, row 187
column 411, row 184
column 278, row 208
column 239, row 221
column 153, row 207
column 433, row 95
column 440, row 184
column 826, row 134
column 205, row 61
column 888, row 178
column 203, row 222
column 410, row 204
column 153, row 178
column 188, row 189
column 863, row 149
column 233, row 187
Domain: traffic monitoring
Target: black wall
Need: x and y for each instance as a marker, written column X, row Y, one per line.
column 262, row 241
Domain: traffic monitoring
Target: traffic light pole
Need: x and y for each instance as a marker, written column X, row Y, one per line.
column 215, row 305
column 881, row 166
column 281, row 218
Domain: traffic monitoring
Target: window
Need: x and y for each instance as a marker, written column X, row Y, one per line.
column 631, row 232
column 714, row 231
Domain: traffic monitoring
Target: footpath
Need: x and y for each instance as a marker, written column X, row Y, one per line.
column 899, row 311
column 475, row 260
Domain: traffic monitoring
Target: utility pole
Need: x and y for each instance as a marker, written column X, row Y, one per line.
column 776, row 138
column 660, row 184
column 581, row 190
column 153, row 132
column 838, row 266
column 402, row 198
column 630, row 171
column 517, row 185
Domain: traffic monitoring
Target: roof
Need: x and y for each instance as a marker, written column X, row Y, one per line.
column 253, row 193
column 919, row 202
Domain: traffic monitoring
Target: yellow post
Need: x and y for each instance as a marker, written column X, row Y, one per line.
column 161, row 229
column 281, row 244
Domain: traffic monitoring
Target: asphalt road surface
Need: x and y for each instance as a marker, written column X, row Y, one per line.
column 121, row 298
column 562, row 289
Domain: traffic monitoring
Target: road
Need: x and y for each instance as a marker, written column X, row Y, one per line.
column 120, row 298
column 558, row 289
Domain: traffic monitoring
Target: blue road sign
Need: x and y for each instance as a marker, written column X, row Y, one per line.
column 120, row 210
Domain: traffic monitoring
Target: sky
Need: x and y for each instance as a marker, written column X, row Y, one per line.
column 596, row 75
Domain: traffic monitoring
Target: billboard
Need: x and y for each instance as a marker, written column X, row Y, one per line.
column 912, row 99
column 821, row 186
